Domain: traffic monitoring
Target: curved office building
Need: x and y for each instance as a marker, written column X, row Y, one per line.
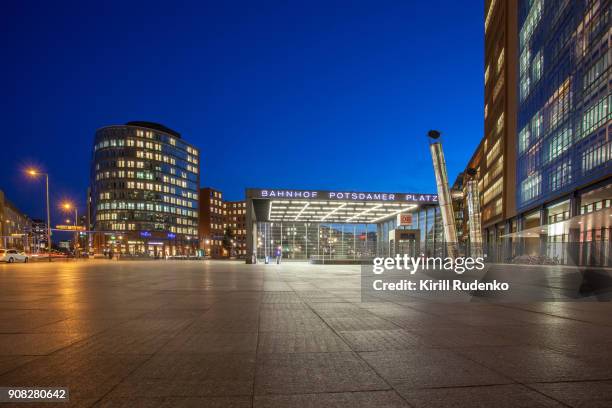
column 144, row 191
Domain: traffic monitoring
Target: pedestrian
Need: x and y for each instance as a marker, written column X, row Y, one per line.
column 279, row 255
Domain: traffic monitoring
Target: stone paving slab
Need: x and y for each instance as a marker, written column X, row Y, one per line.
column 226, row 334
column 536, row 364
column 176, row 402
column 194, row 340
column 304, row 373
column 378, row 340
column 427, row 368
column 498, row 396
column 36, row 344
column 323, row 341
column 592, row 394
column 367, row 399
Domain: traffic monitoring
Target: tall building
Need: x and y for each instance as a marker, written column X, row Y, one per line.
column 497, row 170
column 218, row 217
column 212, row 219
column 39, row 235
column 144, row 190
column 564, row 120
column 15, row 226
column 235, row 220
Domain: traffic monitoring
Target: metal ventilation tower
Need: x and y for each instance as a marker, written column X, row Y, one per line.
column 474, row 222
column 444, row 195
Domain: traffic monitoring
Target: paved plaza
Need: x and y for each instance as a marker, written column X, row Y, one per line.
column 226, row 334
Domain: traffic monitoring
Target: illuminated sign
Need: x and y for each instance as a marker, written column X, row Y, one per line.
column 341, row 195
column 404, row 219
column 288, row 194
column 171, row 235
column 70, row 227
column 145, row 234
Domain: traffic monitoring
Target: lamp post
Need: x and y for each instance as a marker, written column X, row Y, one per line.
column 67, row 206
column 206, row 247
column 36, row 173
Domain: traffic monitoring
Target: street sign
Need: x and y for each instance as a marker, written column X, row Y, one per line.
column 70, row 227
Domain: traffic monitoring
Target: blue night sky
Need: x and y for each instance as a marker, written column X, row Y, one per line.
column 314, row 95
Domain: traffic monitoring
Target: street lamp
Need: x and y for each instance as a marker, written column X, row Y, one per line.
column 35, row 173
column 67, row 206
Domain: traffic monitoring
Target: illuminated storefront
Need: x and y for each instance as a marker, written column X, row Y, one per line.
column 340, row 225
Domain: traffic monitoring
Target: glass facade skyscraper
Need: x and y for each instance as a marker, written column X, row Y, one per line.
column 564, row 151
column 144, row 191
column 564, row 98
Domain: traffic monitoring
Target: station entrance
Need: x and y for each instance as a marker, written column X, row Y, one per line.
column 332, row 225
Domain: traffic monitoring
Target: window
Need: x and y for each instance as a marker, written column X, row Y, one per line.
column 537, row 67
column 500, row 123
column 530, row 187
column 559, row 143
column 498, row 207
column 596, row 155
column 560, row 175
column 531, row 22
column 536, row 126
column 494, row 152
column 524, row 87
column 489, row 14
column 494, row 190
column 497, row 168
column 524, row 135
column 500, row 60
column 524, row 61
column 600, row 66
column 498, row 87
column 596, row 116
column 558, row 105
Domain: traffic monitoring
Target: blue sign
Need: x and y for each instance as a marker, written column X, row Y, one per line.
column 171, row 235
column 145, row 234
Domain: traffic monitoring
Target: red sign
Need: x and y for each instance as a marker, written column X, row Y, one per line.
column 405, row 219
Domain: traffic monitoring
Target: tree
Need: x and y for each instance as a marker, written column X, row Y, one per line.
column 228, row 241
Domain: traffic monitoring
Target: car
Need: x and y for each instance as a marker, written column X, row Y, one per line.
column 12, row 255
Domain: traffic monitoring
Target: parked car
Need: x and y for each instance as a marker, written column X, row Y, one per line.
column 12, row 255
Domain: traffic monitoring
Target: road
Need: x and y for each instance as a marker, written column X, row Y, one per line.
column 226, row 334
